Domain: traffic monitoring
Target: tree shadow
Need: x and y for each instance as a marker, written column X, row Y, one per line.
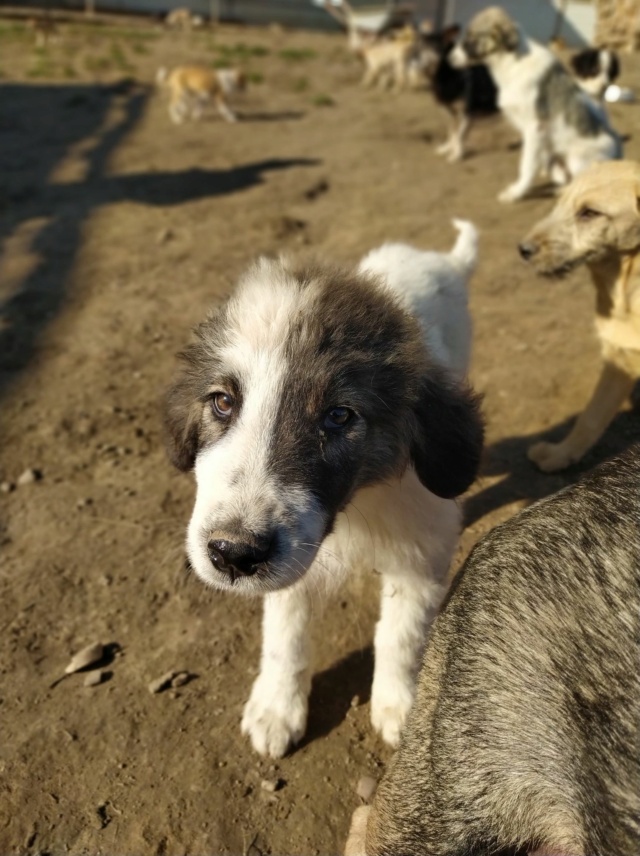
column 39, row 126
column 521, row 478
column 333, row 689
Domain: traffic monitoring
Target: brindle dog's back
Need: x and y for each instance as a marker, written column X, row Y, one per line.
column 525, row 730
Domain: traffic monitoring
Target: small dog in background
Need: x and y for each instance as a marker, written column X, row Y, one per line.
column 387, row 60
column 596, row 223
column 44, row 29
column 523, row 737
column 327, row 418
column 463, row 92
column 563, row 130
column 183, row 19
column 192, row 87
column 595, row 69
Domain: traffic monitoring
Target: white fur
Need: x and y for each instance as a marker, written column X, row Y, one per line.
column 397, row 527
column 517, row 76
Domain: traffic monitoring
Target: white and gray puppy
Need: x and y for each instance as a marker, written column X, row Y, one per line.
column 310, row 394
column 563, row 129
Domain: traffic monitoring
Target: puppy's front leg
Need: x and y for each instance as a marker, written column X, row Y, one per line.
column 612, row 389
column 225, row 111
column 275, row 717
column 407, row 606
column 532, row 148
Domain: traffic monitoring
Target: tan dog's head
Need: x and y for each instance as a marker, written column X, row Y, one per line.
column 596, row 218
column 489, row 32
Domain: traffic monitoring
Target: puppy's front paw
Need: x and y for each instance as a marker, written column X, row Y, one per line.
column 549, row 457
column 511, row 194
column 275, row 719
column 357, row 833
column 389, row 711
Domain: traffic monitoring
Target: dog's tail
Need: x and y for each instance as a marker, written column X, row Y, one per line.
column 161, row 75
column 465, row 249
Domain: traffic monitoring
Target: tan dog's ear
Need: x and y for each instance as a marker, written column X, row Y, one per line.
column 628, row 237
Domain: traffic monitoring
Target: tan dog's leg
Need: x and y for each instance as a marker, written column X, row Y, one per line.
column 357, row 832
column 224, row 110
column 612, row 389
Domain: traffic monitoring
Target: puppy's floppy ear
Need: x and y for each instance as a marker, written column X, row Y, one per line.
column 447, row 445
column 182, row 414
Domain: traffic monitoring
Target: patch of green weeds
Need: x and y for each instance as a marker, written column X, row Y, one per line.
column 296, row 54
column 323, row 100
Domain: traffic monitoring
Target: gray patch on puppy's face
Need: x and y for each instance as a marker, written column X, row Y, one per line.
column 307, row 385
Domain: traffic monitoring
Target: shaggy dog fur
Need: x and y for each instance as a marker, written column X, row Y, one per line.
column 563, row 130
column 327, row 419
column 524, row 735
column 596, row 223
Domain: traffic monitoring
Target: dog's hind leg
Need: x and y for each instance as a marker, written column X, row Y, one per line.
column 457, row 148
column 275, row 717
column 614, row 386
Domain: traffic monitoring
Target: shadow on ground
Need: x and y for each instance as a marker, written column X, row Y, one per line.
column 40, row 126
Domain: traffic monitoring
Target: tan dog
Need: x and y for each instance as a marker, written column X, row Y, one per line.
column 596, row 222
column 387, row 61
column 191, row 87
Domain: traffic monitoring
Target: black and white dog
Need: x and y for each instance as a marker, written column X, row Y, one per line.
column 563, row 129
column 328, row 421
column 465, row 93
column 595, row 69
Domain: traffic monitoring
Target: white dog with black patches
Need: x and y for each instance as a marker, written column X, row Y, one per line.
column 312, row 393
column 563, row 130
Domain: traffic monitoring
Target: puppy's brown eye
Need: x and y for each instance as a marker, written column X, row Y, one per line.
column 337, row 417
column 222, row 405
column 587, row 213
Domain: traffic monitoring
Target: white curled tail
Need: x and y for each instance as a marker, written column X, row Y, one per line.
column 465, row 249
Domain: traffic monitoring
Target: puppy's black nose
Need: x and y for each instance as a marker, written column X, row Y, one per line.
column 527, row 250
column 238, row 557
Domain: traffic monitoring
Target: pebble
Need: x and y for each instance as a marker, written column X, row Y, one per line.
column 94, row 678
column 29, row 476
column 87, row 657
column 355, row 701
column 7, row 487
column 162, row 683
column 366, row 787
column 272, row 785
column 180, row 679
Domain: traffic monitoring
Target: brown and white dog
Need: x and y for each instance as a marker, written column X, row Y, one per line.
column 192, row 87
column 326, row 416
column 596, row 223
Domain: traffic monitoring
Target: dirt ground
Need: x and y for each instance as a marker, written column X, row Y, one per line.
column 118, row 231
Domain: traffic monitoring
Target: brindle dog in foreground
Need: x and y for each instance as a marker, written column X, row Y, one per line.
column 524, row 736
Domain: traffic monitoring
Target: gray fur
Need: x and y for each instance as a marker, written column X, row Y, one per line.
column 524, row 735
column 560, row 96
